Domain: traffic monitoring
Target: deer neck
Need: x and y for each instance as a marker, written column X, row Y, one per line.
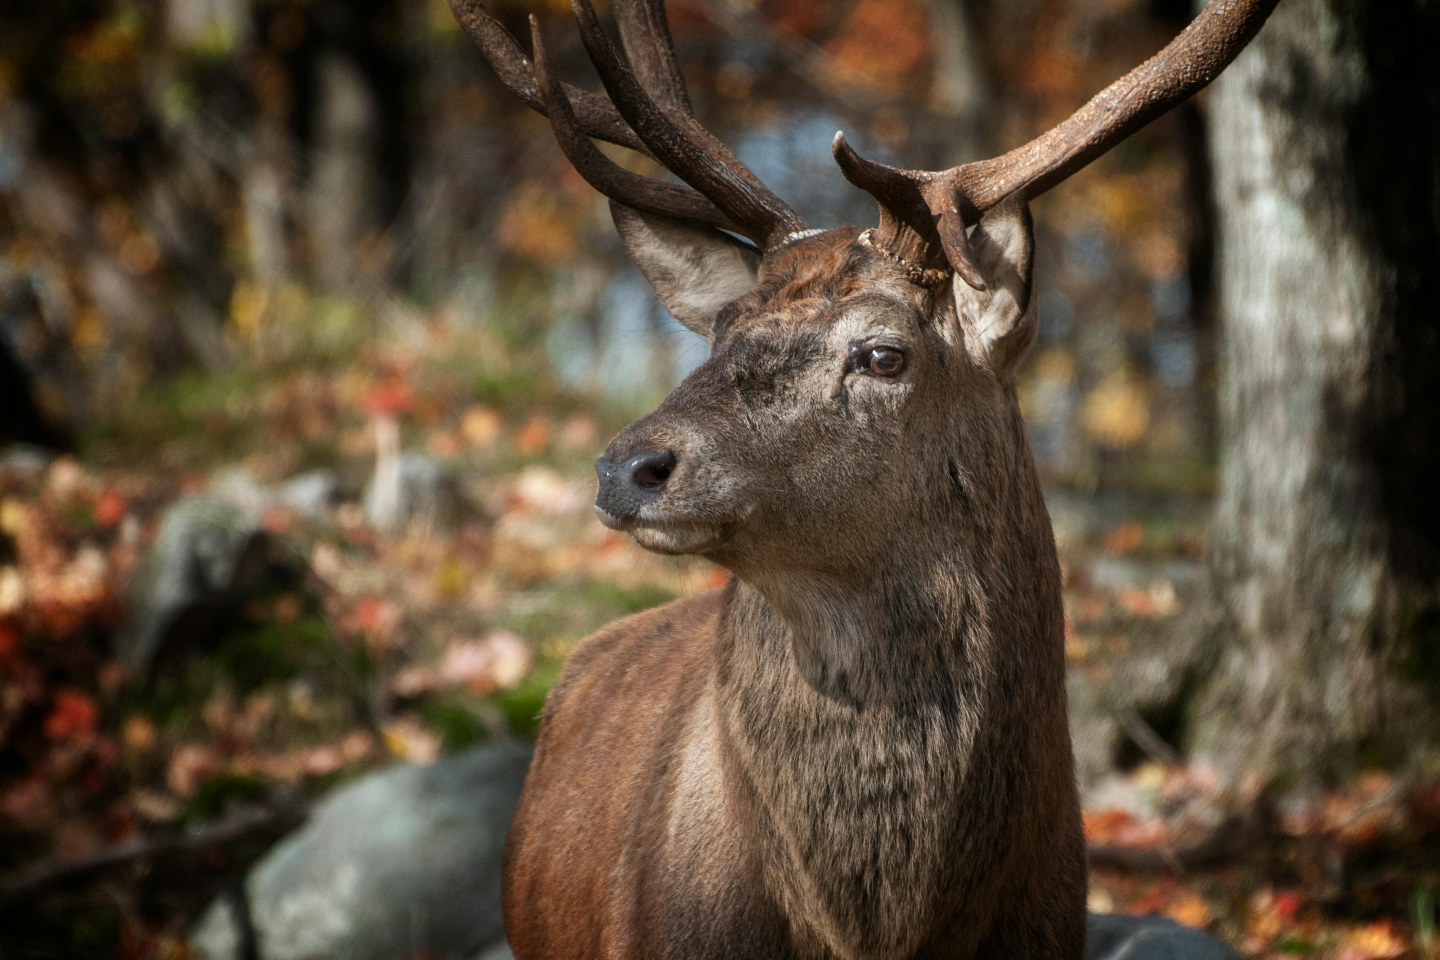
column 854, row 642
column 972, row 579
column 905, row 702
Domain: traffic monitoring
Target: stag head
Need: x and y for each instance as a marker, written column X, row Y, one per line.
column 860, row 382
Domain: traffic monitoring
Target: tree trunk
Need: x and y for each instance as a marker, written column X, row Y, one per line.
column 343, row 179
column 1325, row 553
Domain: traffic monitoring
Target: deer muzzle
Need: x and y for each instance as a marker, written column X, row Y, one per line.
column 628, row 486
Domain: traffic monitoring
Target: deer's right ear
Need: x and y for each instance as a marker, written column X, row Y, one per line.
column 1000, row 322
column 695, row 271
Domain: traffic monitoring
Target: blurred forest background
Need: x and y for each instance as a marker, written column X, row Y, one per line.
column 309, row 334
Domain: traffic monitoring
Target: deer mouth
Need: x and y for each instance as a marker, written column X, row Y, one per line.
column 670, row 536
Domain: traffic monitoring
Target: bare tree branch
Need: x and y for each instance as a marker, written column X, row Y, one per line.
column 258, row 825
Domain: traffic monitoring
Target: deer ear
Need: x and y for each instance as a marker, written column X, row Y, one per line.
column 695, row 271
column 999, row 323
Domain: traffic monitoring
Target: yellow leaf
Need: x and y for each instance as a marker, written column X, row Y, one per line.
column 1117, row 412
column 1377, row 941
column 248, row 304
column 1190, row 910
column 481, row 426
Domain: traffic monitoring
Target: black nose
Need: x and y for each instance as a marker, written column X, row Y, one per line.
column 626, row 487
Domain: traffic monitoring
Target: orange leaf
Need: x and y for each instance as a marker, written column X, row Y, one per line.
column 73, row 716
column 1287, row 903
column 1101, row 825
column 110, row 508
column 10, row 645
column 533, row 437
column 1376, row 941
column 1191, row 910
column 1125, row 538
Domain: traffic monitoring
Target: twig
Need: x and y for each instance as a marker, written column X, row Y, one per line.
column 262, row 824
column 1148, row 740
column 239, row 903
column 1222, row 845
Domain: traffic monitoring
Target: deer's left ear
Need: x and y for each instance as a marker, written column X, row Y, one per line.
column 695, row 271
column 999, row 323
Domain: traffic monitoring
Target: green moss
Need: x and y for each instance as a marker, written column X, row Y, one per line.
column 458, row 721
column 254, row 654
column 271, row 650
column 549, row 620
column 502, row 387
column 220, row 794
column 77, row 926
column 1419, row 633
column 195, row 418
column 522, row 705
column 623, row 601
column 1295, row 945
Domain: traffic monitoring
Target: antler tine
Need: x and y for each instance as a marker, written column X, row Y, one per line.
column 760, row 214
column 602, row 173
column 594, row 114
column 956, row 197
column 645, row 34
column 903, row 206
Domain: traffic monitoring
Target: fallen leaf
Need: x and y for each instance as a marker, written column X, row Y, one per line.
column 1124, row 538
column 1191, row 910
column 155, row 806
column 190, row 765
column 579, row 434
column 1287, row 903
column 541, row 490
column 533, row 436
column 414, row 680
column 481, row 426
column 1101, row 825
column 138, row 734
column 1116, row 413
column 498, row 662
column 72, row 716
column 407, row 739
column 1376, row 941
column 12, row 595
column 110, row 508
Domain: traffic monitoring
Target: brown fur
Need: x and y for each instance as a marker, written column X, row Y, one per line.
column 858, row 748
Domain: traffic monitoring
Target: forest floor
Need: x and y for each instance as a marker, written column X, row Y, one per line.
column 380, row 647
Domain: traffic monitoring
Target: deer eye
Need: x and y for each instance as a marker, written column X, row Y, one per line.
column 885, row 361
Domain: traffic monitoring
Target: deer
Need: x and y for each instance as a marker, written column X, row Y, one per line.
column 858, row 747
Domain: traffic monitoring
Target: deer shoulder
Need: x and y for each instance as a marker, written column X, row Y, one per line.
column 621, row 773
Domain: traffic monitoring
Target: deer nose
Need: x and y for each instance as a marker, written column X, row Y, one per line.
column 628, row 486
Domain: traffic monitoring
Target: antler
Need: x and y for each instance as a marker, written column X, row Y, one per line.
column 649, row 113
column 596, row 116
column 604, row 174
column 923, row 214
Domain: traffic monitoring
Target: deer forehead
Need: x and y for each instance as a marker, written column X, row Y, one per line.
column 822, row 282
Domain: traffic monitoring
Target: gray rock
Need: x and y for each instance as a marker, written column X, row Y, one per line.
column 402, row 863
column 1114, row 936
column 1113, row 691
column 239, row 488
column 415, row 488
column 310, row 494
column 1118, row 573
column 209, row 556
column 25, row 460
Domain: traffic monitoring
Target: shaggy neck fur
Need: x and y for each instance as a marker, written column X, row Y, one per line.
column 883, row 727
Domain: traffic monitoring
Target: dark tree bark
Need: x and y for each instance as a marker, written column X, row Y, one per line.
column 1325, row 555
